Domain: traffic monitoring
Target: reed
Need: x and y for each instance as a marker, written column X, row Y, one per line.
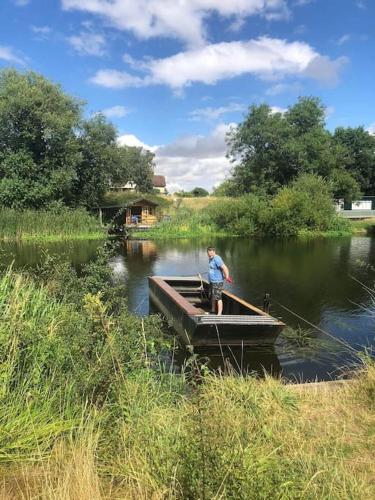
column 48, row 225
column 86, row 411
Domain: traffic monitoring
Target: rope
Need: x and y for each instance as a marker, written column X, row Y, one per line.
column 336, row 339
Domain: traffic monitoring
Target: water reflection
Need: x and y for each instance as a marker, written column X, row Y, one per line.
column 311, row 278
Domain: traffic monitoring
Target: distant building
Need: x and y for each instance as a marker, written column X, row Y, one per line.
column 158, row 182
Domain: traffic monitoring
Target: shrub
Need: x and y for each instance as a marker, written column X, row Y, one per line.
column 304, row 205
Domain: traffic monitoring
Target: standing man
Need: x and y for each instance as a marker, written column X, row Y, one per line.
column 217, row 272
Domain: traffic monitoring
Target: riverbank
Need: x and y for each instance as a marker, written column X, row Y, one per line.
column 57, row 224
column 89, row 410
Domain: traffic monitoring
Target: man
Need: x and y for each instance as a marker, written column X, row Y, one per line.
column 217, row 272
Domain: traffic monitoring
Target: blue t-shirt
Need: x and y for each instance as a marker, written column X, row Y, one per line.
column 215, row 273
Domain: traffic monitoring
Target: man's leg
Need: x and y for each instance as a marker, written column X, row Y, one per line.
column 213, row 303
column 219, row 307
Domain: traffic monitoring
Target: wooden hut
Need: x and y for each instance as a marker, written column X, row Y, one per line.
column 141, row 212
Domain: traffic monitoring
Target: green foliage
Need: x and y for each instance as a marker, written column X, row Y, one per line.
column 58, row 222
column 359, row 155
column 184, row 223
column 344, row 185
column 38, row 147
column 270, row 150
column 135, row 165
column 49, row 152
column 305, row 205
column 239, row 216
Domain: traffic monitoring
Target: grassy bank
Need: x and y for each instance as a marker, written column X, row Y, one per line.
column 87, row 410
column 366, row 226
column 49, row 225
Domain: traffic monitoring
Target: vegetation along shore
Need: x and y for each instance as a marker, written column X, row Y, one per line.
column 88, row 409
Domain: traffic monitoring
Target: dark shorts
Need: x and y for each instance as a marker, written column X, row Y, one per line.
column 217, row 289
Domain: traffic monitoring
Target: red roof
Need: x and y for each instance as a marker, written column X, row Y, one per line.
column 159, row 181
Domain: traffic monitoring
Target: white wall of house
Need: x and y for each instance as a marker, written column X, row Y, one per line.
column 361, row 205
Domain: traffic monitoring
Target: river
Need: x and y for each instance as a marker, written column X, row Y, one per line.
column 322, row 281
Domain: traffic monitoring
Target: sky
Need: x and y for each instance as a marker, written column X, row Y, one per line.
column 175, row 75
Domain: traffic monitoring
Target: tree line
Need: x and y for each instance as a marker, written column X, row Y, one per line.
column 270, row 150
column 50, row 152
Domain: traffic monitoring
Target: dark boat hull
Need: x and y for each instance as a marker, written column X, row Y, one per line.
column 195, row 327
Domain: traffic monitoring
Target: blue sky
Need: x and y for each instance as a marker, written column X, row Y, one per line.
column 174, row 75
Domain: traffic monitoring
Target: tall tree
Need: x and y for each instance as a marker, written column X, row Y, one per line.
column 270, row 149
column 38, row 147
column 99, row 161
column 136, row 165
column 359, row 156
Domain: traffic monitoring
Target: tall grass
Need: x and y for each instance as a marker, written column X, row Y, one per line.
column 48, row 225
column 184, row 223
column 86, row 411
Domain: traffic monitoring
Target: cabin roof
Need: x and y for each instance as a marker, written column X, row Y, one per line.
column 159, row 181
column 141, row 201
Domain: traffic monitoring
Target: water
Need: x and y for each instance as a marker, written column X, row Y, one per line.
column 314, row 279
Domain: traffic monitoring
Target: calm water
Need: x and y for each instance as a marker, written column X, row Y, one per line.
column 313, row 279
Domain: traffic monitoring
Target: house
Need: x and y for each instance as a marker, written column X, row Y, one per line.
column 158, row 182
column 141, row 212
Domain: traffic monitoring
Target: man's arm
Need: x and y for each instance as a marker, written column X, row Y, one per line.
column 225, row 271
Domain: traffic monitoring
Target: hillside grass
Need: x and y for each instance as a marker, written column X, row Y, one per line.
column 88, row 410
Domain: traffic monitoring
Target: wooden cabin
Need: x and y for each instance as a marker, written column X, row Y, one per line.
column 141, row 212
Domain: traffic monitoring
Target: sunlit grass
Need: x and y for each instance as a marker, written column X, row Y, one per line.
column 82, row 415
column 44, row 225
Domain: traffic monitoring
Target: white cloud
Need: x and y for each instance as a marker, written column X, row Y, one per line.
column 326, row 70
column 299, row 3
column 86, row 43
column 343, row 39
column 41, row 30
column 210, row 113
column 278, row 109
column 182, row 19
column 7, row 54
column 268, row 58
column 21, row 3
column 329, row 111
column 191, row 160
column 115, row 112
column 371, row 129
column 114, row 79
column 283, row 88
column 133, row 141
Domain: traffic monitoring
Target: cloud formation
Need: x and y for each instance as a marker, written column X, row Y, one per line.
column 8, row 54
column 191, row 160
column 210, row 113
column 181, row 19
column 115, row 112
column 267, row 58
column 86, row 43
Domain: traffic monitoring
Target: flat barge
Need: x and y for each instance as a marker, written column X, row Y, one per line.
column 184, row 302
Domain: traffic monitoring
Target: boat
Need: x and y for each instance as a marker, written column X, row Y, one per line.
column 184, row 302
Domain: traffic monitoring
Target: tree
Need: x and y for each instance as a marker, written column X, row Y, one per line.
column 270, row 149
column 198, row 192
column 99, row 161
column 359, row 155
column 136, row 165
column 38, row 146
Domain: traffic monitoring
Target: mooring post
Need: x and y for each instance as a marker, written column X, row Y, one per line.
column 100, row 216
column 266, row 302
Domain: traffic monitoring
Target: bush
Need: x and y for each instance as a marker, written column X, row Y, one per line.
column 305, row 205
column 238, row 216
